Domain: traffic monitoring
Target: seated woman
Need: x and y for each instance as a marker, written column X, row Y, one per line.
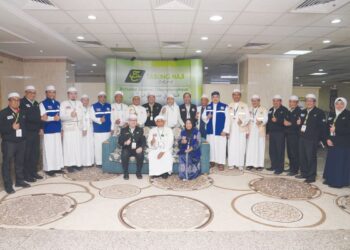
column 189, row 152
column 337, row 169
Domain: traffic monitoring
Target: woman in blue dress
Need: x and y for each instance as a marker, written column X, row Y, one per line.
column 189, row 152
column 337, row 169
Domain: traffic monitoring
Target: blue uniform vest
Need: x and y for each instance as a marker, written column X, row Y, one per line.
column 102, row 110
column 52, row 108
column 220, row 118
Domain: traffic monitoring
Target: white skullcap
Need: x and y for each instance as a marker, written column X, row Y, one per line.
column 118, row 93
column 50, row 88
column 159, row 117
column 13, row 94
column 293, row 98
column 136, row 95
column 150, row 94
column 84, row 96
column 29, row 87
column 101, row 93
column 132, row 117
column 236, row 91
column 310, row 96
column 170, row 96
column 255, row 97
column 72, row 90
column 278, row 97
column 204, row 96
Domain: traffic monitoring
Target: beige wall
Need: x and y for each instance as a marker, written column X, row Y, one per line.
column 90, row 88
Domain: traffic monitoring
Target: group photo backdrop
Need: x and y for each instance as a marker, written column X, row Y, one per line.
column 158, row 77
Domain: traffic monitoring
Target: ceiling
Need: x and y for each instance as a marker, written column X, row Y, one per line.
column 35, row 30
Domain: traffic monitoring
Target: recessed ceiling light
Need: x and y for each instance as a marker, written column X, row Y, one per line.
column 268, row 65
column 206, row 67
column 41, row 51
column 323, row 81
column 337, row 20
column 326, row 41
column 204, row 38
column 72, row 65
column 297, row 77
column 91, row 71
column 91, row 17
column 228, row 77
column 215, row 18
column 229, row 45
column 198, row 51
column 80, row 37
column 318, row 74
column 301, row 85
column 297, row 52
column 321, row 70
column 94, row 65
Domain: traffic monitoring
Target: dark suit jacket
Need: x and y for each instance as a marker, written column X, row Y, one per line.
column 280, row 114
column 292, row 117
column 315, row 125
column 137, row 136
column 32, row 113
column 193, row 113
column 156, row 110
column 342, row 129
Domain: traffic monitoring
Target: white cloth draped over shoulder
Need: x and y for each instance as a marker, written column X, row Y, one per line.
column 172, row 116
column 87, row 142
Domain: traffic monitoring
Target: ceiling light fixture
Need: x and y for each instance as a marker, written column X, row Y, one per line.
column 335, row 21
column 229, row 45
column 198, row 51
column 41, row 51
column 297, row 52
column 320, row 70
column 206, row 67
column 80, row 37
column 318, row 74
column 94, row 65
column 326, row 41
column 215, row 18
column 228, row 77
column 91, row 71
column 323, row 81
column 91, row 17
column 204, row 38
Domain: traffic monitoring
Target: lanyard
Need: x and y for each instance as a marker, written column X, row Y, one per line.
column 235, row 110
column 307, row 116
column 121, row 107
column 132, row 134
column 160, row 134
column 254, row 113
column 16, row 115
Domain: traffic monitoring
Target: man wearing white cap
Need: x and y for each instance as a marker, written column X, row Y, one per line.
column 87, row 142
column 153, row 109
column 136, row 109
column 71, row 112
column 312, row 131
column 292, row 135
column 160, row 142
column 101, row 117
column 52, row 142
column 236, row 125
column 171, row 113
column 13, row 133
column 256, row 136
column 202, row 126
column 276, row 129
column 30, row 107
column 119, row 113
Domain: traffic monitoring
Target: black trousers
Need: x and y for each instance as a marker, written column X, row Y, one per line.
column 276, row 151
column 126, row 154
column 293, row 152
column 32, row 154
column 12, row 151
column 308, row 158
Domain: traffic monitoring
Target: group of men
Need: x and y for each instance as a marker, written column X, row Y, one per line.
column 73, row 132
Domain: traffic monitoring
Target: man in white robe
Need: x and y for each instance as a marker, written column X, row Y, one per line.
column 52, row 141
column 236, row 125
column 137, row 109
column 257, row 134
column 201, row 125
column 160, row 142
column 171, row 113
column 87, row 142
column 119, row 113
column 71, row 112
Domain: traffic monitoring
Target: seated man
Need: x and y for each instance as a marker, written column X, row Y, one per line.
column 160, row 142
column 133, row 142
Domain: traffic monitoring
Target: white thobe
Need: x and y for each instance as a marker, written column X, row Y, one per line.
column 217, row 143
column 237, row 142
column 172, row 116
column 52, row 147
column 87, row 142
column 141, row 113
column 164, row 140
column 119, row 111
column 256, row 140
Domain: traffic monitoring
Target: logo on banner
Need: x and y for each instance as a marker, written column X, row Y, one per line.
column 135, row 76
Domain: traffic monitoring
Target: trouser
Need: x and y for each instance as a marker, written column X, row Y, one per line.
column 126, row 154
column 308, row 158
column 32, row 154
column 10, row 151
column 276, row 151
column 293, row 152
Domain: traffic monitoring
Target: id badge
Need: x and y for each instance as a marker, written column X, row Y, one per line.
column 19, row 133
column 303, row 128
column 151, row 118
column 133, row 145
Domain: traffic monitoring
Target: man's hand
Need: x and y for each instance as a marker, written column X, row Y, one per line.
column 16, row 126
column 330, row 143
column 160, row 155
column 117, row 121
column 239, row 122
column 84, row 132
column 41, row 132
column 188, row 150
column 148, row 114
column 139, row 150
column 286, row 123
column 209, row 116
column 56, row 118
column 299, row 121
column 332, row 129
column 128, row 142
column 73, row 114
column 163, row 110
column 102, row 119
column 274, row 119
column 224, row 134
column 197, row 115
column 259, row 123
column 153, row 141
column 44, row 117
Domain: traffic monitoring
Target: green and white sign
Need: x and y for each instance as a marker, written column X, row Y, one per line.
column 139, row 77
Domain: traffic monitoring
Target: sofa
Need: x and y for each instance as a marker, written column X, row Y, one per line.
column 111, row 151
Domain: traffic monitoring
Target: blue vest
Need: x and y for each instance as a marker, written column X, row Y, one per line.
column 52, row 108
column 220, row 118
column 102, row 110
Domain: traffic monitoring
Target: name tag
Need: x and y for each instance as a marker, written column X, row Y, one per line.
column 28, row 105
column 10, row 117
column 151, row 118
column 19, row 133
column 303, row 128
column 133, row 145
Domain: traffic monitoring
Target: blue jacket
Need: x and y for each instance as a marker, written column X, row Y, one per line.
column 220, row 118
column 52, row 108
column 102, row 110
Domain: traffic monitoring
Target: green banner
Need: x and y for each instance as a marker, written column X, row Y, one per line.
column 160, row 78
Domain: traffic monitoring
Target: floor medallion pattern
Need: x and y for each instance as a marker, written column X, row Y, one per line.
column 89, row 174
column 165, row 212
column 284, row 188
column 226, row 171
column 344, row 203
column 174, row 183
column 277, row 212
column 36, row 209
column 120, row 191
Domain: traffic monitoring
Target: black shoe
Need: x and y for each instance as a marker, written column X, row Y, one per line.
column 99, row 166
column 249, row 168
column 51, row 173
column 277, row 172
column 310, row 180
column 22, row 184
column 139, row 176
column 270, row 169
column 299, row 176
column 10, row 190
column 291, row 174
column 126, row 177
column 78, row 168
column 70, row 169
column 59, row 171
column 259, row 168
column 325, row 183
column 36, row 176
column 165, row 176
column 30, row 179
